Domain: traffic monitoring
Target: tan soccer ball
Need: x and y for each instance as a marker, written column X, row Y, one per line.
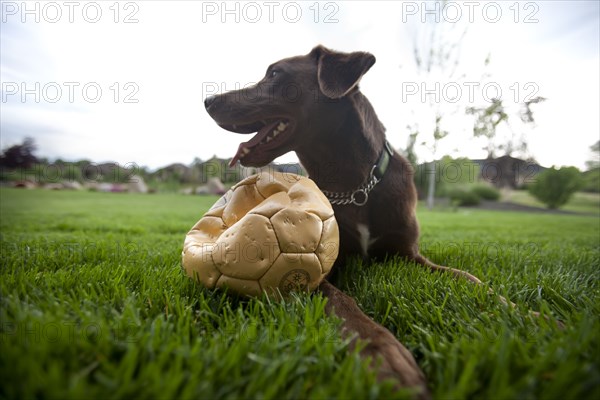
column 272, row 232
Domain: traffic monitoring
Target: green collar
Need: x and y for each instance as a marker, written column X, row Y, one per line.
column 383, row 161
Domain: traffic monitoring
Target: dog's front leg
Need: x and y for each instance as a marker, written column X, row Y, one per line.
column 388, row 355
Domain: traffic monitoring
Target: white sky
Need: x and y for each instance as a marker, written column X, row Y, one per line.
column 177, row 48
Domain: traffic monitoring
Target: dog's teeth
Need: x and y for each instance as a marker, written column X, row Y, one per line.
column 275, row 133
column 281, row 126
column 245, row 151
column 269, row 139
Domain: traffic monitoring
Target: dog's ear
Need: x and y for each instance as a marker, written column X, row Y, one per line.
column 339, row 73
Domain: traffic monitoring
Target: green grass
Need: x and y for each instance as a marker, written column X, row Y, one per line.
column 588, row 203
column 94, row 305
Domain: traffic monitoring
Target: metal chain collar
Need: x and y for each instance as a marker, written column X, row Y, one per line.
column 360, row 196
column 357, row 197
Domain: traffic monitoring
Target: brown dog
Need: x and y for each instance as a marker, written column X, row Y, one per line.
column 311, row 104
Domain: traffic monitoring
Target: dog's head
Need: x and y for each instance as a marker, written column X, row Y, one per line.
column 293, row 104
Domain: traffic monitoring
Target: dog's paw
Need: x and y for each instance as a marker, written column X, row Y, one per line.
column 393, row 361
column 389, row 358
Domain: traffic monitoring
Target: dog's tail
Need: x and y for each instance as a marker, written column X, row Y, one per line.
column 419, row 259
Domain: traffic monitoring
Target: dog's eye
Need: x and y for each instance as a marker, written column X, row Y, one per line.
column 273, row 73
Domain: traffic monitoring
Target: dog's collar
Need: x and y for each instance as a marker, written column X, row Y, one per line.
column 360, row 196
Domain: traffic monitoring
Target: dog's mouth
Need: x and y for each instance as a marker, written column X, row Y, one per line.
column 271, row 134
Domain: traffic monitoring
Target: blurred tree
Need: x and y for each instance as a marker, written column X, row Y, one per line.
column 526, row 112
column 19, row 155
column 591, row 180
column 594, row 163
column 436, row 53
column 489, row 118
column 450, row 172
column 592, row 175
column 409, row 152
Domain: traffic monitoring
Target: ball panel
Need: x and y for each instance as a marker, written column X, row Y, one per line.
column 269, row 184
column 307, row 196
column 198, row 264
column 250, row 288
column 247, row 249
column 297, row 230
column 251, row 180
column 292, row 272
column 272, row 205
column 243, row 199
column 329, row 246
column 197, row 250
column 217, row 209
column 208, row 226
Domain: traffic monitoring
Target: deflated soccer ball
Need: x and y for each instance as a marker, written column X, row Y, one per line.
column 272, row 232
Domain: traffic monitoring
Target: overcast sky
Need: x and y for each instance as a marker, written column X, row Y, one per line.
column 126, row 82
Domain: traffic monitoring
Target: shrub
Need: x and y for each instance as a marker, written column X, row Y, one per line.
column 554, row 187
column 463, row 197
column 486, row 192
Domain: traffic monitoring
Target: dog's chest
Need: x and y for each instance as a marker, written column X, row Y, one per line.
column 364, row 237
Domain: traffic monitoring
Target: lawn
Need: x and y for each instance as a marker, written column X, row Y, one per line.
column 94, row 305
column 581, row 202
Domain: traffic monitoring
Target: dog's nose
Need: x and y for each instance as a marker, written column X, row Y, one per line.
column 209, row 101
